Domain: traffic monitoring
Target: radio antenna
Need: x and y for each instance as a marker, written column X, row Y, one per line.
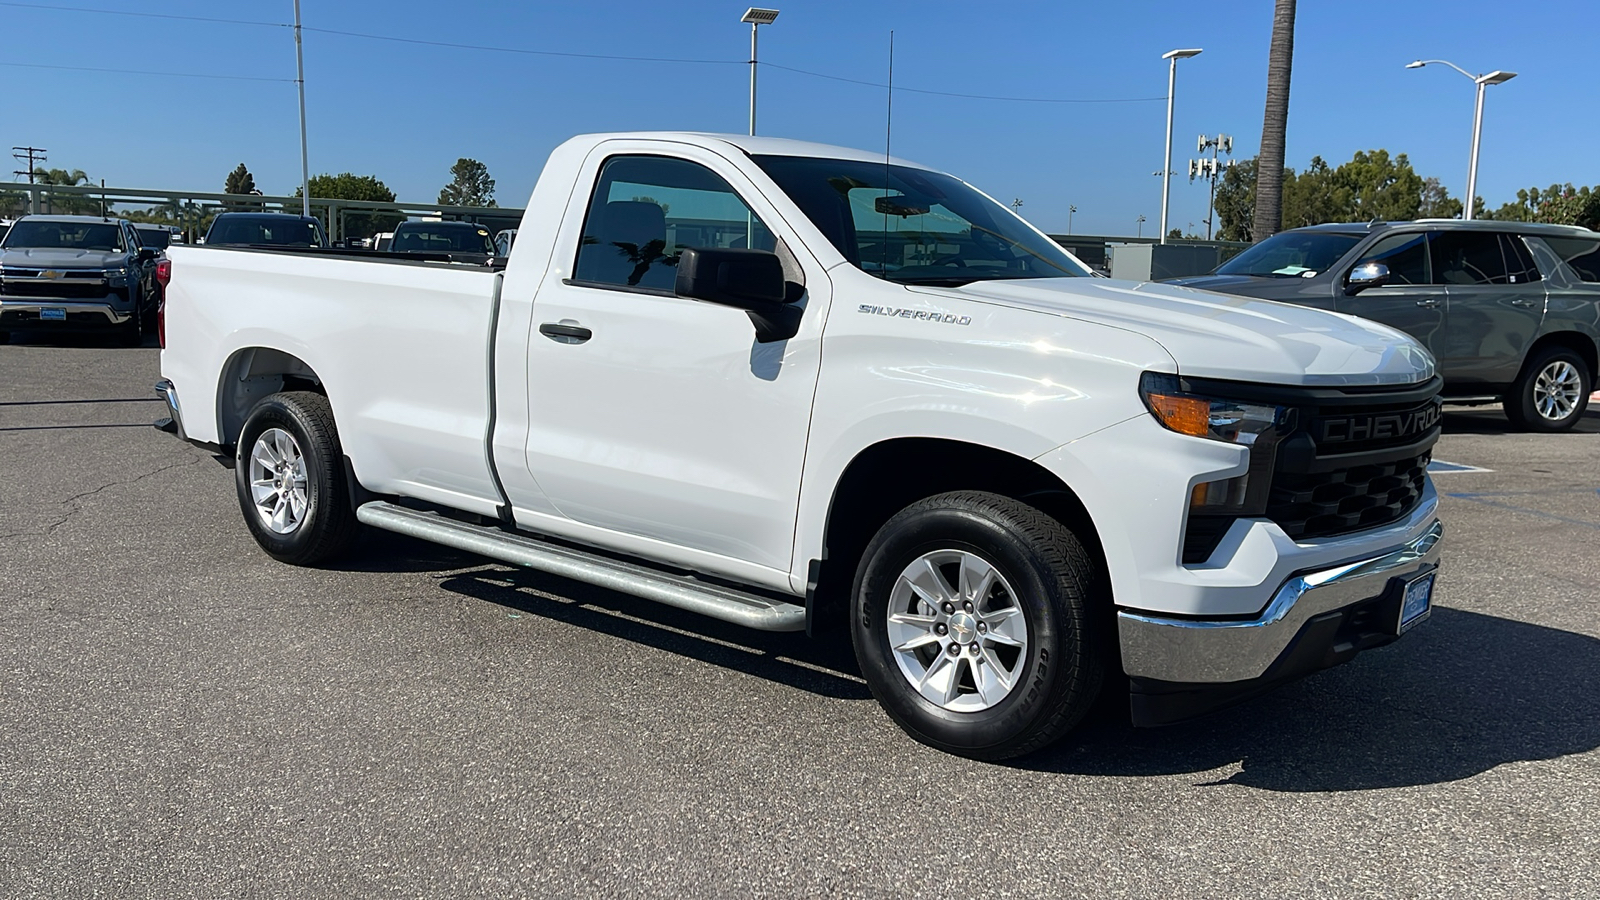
column 888, row 133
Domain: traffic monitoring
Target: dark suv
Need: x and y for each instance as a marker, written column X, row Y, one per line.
column 77, row 273
column 1510, row 310
column 251, row 229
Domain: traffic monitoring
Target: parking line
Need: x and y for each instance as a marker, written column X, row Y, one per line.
column 1439, row 466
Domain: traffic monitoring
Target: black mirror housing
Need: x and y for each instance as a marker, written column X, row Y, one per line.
column 751, row 280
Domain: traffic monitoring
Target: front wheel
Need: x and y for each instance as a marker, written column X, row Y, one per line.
column 289, row 472
column 971, row 621
column 1551, row 393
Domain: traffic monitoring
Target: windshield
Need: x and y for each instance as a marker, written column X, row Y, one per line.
column 443, row 238
column 1292, row 254
column 913, row 226
column 273, row 231
column 65, row 235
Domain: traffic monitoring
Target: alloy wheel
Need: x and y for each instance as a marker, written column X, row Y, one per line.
column 957, row 630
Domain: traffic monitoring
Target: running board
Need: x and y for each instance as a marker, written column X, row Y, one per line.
column 683, row 592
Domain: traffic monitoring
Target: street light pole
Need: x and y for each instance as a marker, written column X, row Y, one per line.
column 1482, row 81
column 300, row 82
column 757, row 17
column 1166, row 167
column 1070, row 210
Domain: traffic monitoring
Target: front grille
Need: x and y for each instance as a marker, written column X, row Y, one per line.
column 1344, row 460
column 64, row 289
column 1307, row 505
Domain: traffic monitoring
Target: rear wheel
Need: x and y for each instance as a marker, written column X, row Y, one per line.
column 289, row 472
column 1552, row 392
column 971, row 621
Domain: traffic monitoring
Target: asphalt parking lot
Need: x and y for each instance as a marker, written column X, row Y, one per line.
column 181, row 716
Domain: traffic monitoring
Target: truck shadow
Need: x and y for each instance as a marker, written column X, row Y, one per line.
column 1462, row 694
column 823, row 667
column 1490, row 420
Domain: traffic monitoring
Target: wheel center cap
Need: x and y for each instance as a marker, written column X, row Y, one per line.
column 963, row 628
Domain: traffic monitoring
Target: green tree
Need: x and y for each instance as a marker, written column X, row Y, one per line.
column 1436, row 202
column 470, row 185
column 1236, row 201
column 348, row 186
column 1569, row 206
column 1275, row 122
column 1380, row 187
column 240, row 181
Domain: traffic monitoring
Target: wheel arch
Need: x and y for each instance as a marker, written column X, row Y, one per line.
column 251, row 373
column 1578, row 342
column 888, row 476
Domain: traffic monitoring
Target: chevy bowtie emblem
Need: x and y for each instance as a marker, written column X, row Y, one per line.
column 52, row 273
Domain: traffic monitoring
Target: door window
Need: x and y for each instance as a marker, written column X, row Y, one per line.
column 1406, row 255
column 1519, row 260
column 1468, row 257
column 647, row 209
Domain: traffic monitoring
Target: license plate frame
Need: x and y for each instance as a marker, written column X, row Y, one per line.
column 52, row 314
column 1416, row 602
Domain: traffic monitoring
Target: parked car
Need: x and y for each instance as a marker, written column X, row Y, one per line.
column 462, row 240
column 77, row 273
column 255, row 229
column 1511, row 310
column 1009, row 482
column 157, row 237
column 5, row 226
column 504, row 240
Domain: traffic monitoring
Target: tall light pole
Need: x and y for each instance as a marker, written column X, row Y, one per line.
column 1166, row 167
column 300, row 82
column 757, row 17
column 1070, row 210
column 1482, row 81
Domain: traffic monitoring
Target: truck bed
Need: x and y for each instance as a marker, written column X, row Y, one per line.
column 401, row 346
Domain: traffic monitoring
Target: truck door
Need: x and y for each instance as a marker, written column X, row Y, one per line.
column 1410, row 301
column 661, row 417
column 1496, row 305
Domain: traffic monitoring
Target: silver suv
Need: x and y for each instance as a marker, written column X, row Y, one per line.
column 1511, row 310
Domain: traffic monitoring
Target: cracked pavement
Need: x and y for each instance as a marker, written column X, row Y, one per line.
column 182, row 717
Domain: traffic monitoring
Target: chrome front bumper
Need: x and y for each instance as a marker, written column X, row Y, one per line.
column 1219, row 651
column 26, row 312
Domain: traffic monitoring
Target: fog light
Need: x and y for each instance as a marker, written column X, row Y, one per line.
column 1218, row 496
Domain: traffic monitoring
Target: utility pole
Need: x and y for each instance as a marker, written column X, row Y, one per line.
column 1140, row 220
column 1070, row 210
column 1016, row 204
column 300, row 82
column 1211, row 169
column 34, row 156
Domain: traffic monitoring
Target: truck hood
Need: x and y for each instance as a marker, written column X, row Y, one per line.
column 1247, row 285
column 1222, row 336
column 63, row 258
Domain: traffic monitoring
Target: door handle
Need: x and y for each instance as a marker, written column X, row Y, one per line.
column 1429, row 303
column 1523, row 301
column 564, row 333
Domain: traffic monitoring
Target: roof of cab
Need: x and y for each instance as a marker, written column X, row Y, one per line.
column 749, row 144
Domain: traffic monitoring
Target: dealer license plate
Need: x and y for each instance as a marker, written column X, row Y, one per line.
column 52, row 314
column 1417, row 602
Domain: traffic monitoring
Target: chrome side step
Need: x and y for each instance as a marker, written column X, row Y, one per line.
column 683, row 592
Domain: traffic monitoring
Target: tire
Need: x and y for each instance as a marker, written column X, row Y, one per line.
column 1551, row 393
column 290, row 439
column 993, row 700
column 131, row 333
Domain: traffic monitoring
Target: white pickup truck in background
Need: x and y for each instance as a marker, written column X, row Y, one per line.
column 796, row 386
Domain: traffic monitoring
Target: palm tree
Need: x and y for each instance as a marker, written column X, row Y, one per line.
column 1275, row 124
column 71, row 204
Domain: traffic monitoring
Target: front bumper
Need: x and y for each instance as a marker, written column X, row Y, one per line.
column 28, row 312
column 1181, row 666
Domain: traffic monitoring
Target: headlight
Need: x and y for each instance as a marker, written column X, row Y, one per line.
column 1217, row 418
column 1213, row 505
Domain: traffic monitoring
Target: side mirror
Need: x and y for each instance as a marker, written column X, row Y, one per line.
column 1365, row 276
column 147, row 253
column 751, row 280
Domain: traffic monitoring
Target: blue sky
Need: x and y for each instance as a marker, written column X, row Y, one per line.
column 405, row 112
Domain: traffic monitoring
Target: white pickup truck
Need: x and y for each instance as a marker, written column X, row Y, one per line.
column 793, row 386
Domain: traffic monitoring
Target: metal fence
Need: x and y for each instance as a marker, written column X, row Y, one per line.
column 192, row 210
